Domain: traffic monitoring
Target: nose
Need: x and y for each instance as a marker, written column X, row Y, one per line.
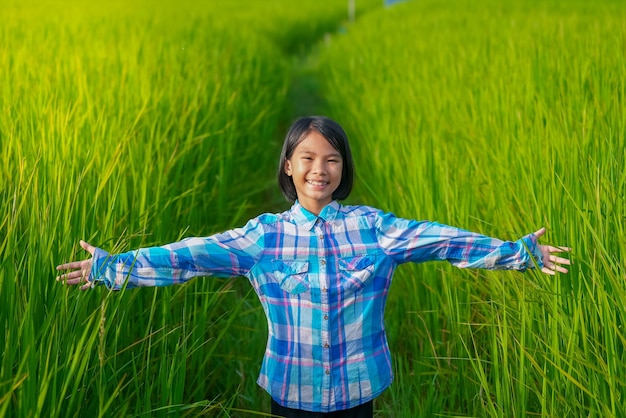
column 319, row 166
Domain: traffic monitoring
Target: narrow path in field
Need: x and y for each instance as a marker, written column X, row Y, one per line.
column 304, row 94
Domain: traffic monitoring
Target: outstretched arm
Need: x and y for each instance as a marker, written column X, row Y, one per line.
column 406, row 240
column 229, row 254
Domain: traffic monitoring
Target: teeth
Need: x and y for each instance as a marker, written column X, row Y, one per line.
column 317, row 183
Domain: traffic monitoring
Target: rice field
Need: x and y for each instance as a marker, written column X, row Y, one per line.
column 133, row 123
column 498, row 118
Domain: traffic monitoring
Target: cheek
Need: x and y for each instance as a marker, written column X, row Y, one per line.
column 339, row 172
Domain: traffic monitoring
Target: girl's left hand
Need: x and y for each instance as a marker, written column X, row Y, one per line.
column 552, row 263
column 82, row 269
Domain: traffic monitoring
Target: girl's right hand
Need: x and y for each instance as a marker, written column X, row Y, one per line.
column 82, row 270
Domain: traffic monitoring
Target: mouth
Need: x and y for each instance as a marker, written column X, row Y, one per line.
column 317, row 183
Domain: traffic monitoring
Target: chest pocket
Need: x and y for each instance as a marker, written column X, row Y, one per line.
column 291, row 275
column 356, row 272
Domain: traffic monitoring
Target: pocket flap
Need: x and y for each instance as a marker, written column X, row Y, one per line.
column 356, row 263
column 291, row 275
column 291, row 267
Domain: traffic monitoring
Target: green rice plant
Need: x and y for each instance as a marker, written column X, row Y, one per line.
column 499, row 118
column 131, row 124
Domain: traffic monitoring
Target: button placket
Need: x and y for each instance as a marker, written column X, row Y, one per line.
column 325, row 326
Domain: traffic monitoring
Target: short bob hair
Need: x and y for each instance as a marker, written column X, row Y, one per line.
column 334, row 133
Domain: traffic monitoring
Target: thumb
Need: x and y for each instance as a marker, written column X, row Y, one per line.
column 540, row 232
column 88, row 247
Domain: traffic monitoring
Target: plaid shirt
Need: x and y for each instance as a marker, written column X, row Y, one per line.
column 323, row 283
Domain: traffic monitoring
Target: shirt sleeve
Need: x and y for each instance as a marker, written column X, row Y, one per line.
column 412, row 241
column 231, row 253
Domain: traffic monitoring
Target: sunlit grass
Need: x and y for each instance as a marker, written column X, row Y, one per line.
column 130, row 124
column 133, row 123
column 498, row 118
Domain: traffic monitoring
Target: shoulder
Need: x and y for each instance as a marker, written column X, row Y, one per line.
column 270, row 218
column 359, row 211
column 374, row 216
column 383, row 221
column 362, row 215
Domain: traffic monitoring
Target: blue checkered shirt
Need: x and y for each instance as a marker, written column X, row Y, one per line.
column 323, row 283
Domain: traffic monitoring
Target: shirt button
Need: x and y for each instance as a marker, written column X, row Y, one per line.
column 322, row 262
column 324, row 289
column 325, row 316
column 326, row 345
column 327, row 371
column 321, row 236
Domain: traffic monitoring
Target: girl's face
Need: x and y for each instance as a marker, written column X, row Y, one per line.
column 315, row 168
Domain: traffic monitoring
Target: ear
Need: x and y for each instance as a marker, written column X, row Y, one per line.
column 288, row 168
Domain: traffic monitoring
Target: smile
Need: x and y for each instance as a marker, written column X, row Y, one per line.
column 317, row 183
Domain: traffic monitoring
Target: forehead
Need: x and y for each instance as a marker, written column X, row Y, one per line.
column 316, row 143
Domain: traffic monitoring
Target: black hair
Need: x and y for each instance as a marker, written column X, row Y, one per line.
column 335, row 135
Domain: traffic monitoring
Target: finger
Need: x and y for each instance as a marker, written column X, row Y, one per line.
column 553, row 249
column 73, row 275
column 72, row 282
column 74, row 279
column 87, row 286
column 88, row 247
column 561, row 269
column 540, row 232
column 551, row 269
column 560, row 260
column 70, row 265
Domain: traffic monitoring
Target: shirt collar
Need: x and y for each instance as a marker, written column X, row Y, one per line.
column 307, row 219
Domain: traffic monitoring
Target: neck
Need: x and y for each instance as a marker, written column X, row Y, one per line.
column 314, row 207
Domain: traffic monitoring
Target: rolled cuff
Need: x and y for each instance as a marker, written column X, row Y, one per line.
column 101, row 261
column 536, row 259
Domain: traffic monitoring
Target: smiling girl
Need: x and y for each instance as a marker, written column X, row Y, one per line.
column 322, row 272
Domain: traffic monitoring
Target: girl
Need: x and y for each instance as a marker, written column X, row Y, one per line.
column 321, row 271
